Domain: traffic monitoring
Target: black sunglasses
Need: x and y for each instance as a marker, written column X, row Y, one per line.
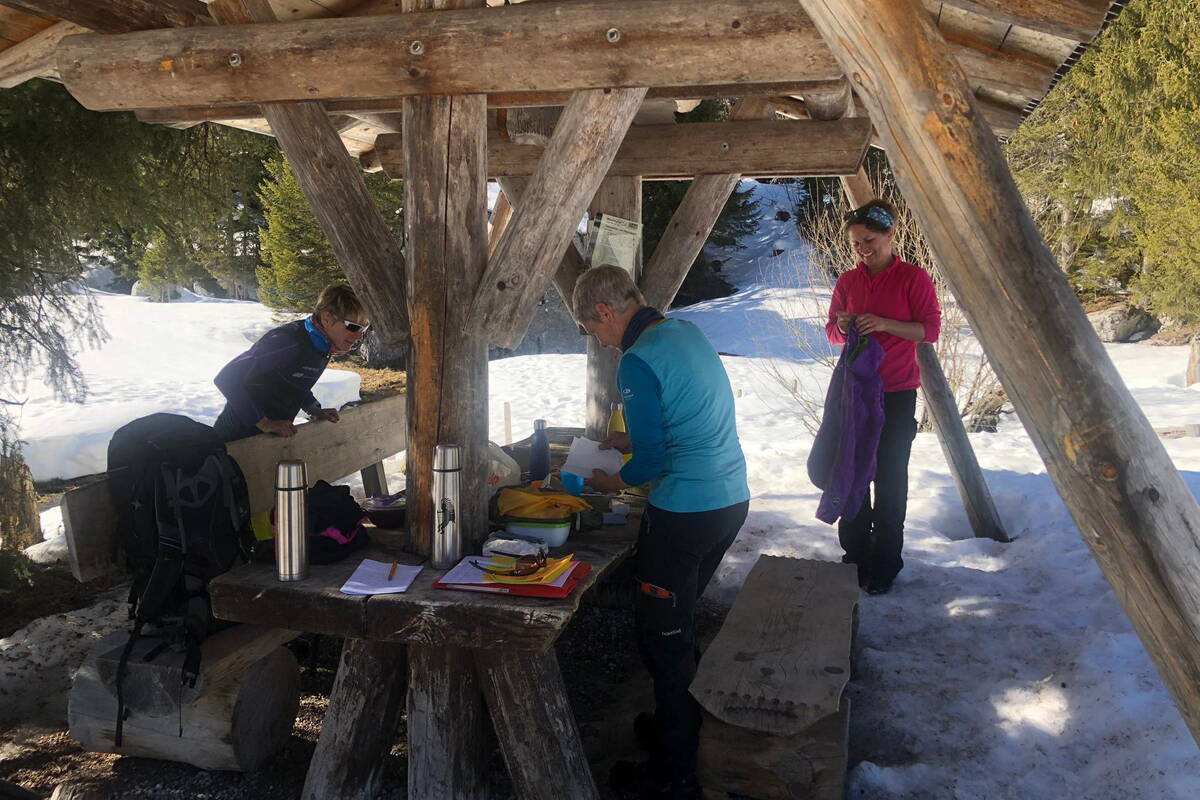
column 355, row 327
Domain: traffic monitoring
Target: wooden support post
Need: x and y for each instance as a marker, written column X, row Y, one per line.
column 621, row 197
column 501, row 216
column 374, row 480
column 446, row 725
column 858, row 188
column 1133, row 509
column 569, row 172
column 693, row 221
column 830, row 104
column 1193, row 365
column 333, row 184
column 536, row 726
column 360, row 724
column 446, row 217
column 956, row 447
column 34, row 57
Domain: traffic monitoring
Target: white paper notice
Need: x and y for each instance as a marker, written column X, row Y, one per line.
column 371, row 577
column 586, row 455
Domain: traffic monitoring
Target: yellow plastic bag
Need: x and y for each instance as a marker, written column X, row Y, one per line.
column 531, row 502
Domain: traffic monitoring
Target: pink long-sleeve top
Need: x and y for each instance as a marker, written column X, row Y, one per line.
column 903, row 291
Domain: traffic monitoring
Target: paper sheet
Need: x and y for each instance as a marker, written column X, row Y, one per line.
column 371, row 577
column 585, row 455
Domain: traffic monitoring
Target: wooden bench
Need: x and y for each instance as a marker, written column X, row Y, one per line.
column 776, row 724
column 243, row 706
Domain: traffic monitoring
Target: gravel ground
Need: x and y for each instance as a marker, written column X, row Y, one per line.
column 604, row 680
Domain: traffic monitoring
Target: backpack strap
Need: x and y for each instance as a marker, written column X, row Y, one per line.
column 121, row 667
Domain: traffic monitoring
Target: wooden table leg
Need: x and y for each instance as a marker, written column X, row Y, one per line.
column 360, row 724
column 447, row 732
column 536, row 726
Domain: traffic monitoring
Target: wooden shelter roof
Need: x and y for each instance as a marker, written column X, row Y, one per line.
column 1012, row 51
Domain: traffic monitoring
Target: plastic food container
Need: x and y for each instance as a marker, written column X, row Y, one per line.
column 551, row 531
column 386, row 511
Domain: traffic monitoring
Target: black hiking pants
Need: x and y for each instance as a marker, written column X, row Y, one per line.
column 677, row 554
column 874, row 538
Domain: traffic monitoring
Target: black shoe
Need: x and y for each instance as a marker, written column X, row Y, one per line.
column 634, row 778
column 645, row 731
column 879, row 585
column 647, row 780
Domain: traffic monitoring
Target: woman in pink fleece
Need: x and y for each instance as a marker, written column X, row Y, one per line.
column 895, row 302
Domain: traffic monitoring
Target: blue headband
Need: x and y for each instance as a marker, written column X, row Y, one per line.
column 880, row 215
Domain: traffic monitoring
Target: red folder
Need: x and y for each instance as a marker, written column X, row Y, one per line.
column 579, row 571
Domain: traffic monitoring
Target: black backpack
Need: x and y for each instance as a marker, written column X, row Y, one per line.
column 183, row 516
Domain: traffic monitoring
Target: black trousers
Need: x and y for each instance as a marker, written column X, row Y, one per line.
column 230, row 428
column 677, row 555
column 874, row 538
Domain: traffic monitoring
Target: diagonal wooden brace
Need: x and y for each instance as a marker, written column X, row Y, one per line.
column 574, row 163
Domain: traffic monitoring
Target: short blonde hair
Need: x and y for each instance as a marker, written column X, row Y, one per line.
column 340, row 301
column 606, row 284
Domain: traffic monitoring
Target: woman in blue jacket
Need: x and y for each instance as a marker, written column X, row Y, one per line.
column 266, row 386
column 683, row 435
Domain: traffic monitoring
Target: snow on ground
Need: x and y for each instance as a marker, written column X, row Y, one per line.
column 160, row 357
column 991, row 671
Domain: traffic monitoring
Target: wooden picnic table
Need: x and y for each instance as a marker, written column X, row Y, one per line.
column 440, row 650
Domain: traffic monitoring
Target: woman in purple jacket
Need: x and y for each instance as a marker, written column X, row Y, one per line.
column 266, row 386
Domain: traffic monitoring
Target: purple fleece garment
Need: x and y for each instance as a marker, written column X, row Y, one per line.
column 842, row 461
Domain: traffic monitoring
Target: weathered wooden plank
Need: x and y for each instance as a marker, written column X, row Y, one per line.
column 527, row 47
column 536, row 725
column 831, row 104
column 620, row 197
column 810, row 764
column 17, row 26
column 501, row 216
column 34, row 57
column 447, row 736
column 361, row 722
column 239, row 713
column 782, row 656
column 693, row 221
column 956, row 447
column 568, row 174
column 762, row 147
column 422, row 615
column 119, row 16
column 446, row 218
column 999, row 69
column 858, row 188
column 1132, row 508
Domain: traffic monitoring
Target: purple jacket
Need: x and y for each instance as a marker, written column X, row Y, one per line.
column 842, row 461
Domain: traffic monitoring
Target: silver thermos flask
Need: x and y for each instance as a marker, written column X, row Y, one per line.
column 291, row 521
column 447, row 535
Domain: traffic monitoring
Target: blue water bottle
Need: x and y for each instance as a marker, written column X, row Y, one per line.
column 539, row 452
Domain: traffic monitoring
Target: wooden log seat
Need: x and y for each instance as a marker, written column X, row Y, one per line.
column 240, row 712
column 775, row 722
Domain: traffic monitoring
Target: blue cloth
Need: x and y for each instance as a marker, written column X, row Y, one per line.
column 680, row 413
column 318, row 339
column 843, row 457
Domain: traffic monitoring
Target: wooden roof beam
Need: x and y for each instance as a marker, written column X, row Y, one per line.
column 1079, row 20
column 34, row 57
column 119, row 16
column 496, row 100
column 574, row 163
column 778, row 147
column 596, row 44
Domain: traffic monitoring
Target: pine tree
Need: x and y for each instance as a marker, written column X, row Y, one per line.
column 297, row 259
column 1121, row 129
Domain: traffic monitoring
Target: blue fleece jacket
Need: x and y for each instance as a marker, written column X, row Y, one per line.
column 680, row 413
